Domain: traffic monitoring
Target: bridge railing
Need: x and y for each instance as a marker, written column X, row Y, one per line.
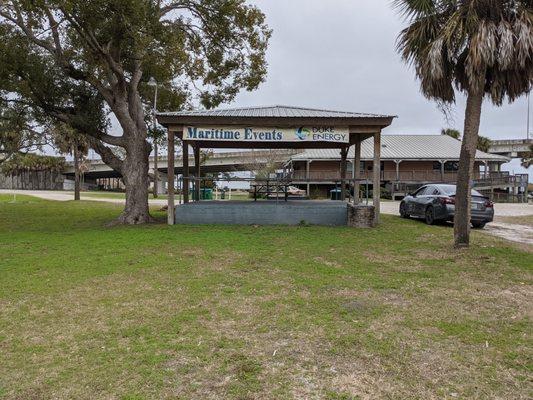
column 507, row 142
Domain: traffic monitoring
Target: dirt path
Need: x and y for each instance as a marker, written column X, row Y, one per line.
column 513, row 232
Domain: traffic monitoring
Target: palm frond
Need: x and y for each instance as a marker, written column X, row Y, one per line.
column 469, row 44
column 414, row 9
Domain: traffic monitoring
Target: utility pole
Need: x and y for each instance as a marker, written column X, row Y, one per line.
column 153, row 82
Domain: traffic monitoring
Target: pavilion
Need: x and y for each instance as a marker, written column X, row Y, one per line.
column 274, row 127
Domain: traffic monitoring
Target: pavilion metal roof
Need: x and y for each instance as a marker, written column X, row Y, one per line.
column 403, row 147
column 276, row 111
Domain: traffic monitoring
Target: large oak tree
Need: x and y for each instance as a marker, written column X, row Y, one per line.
column 79, row 61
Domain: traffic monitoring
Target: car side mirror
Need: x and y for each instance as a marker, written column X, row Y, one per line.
column 411, row 194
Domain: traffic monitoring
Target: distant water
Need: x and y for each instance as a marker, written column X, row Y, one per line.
column 515, row 168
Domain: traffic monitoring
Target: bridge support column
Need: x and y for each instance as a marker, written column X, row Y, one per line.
column 159, row 186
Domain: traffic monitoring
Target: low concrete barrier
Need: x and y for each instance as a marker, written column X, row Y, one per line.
column 330, row 213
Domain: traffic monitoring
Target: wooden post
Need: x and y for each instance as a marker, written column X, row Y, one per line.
column 76, row 171
column 185, row 189
column 377, row 175
column 442, row 163
column 170, row 176
column 197, row 172
column 308, row 177
column 357, row 170
column 486, row 168
column 344, row 154
column 397, row 162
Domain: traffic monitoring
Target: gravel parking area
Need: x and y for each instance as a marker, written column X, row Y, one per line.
column 515, row 232
column 500, row 209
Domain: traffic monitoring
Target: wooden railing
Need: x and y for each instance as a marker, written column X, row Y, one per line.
column 410, row 176
column 415, row 176
column 502, row 179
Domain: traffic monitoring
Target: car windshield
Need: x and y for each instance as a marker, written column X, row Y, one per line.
column 449, row 190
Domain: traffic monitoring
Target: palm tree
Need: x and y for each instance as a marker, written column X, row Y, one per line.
column 68, row 141
column 483, row 143
column 482, row 48
column 454, row 133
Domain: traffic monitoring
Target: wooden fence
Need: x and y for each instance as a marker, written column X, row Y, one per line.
column 32, row 180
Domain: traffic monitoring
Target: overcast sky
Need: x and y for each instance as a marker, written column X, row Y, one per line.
column 340, row 55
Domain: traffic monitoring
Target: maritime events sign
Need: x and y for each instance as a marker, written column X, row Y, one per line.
column 299, row 134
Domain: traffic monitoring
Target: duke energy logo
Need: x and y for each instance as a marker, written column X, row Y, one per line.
column 302, row 133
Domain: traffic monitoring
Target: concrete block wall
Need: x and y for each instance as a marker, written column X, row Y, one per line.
column 329, row 213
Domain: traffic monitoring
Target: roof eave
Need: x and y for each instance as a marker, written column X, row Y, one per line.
column 184, row 120
column 503, row 159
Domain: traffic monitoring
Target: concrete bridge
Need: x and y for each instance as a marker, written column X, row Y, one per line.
column 215, row 162
column 513, row 148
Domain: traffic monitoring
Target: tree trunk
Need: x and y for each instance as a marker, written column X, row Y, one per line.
column 467, row 158
column 76, row 172
column 136, row 179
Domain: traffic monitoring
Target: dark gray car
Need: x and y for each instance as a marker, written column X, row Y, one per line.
column 437, row 203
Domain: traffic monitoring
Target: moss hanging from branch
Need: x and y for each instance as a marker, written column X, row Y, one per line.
column 32, row 162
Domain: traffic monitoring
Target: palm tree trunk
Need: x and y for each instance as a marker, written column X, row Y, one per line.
column 76, row 172
column 466, row 168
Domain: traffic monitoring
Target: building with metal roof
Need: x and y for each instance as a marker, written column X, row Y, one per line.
column 405, row 147
column 407, row 161
column 275, row 111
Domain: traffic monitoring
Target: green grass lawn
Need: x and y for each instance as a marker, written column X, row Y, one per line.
column 217, row 312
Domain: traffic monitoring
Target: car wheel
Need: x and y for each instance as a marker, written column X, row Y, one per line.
column 403, row 211
column 478, row 225
column 430, row 216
